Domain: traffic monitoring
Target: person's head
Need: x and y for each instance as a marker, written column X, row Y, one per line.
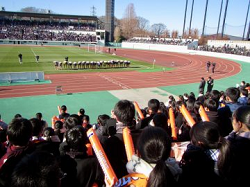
column 37, row 127
column 160, row 120
column 81, row 112
column 85, row 119
column 244, row 92
column 124, row 112
column 76, row 139
column 153, row 106
column 181, row 98
column 163, row 108
column 215, row 94
column 190, row 105
column 154, row 146
column 232, row 94
column 37, row 169
column 19, row 132
column 205, row 135
column 72, row 121
column 241, row 119
column 101, row 120
column 58, row 125
column 39, row 115
column 202, row 78
column 48, row 132
column 63, row 108
column 18, row 116
column 242, row 83
column 210, row 105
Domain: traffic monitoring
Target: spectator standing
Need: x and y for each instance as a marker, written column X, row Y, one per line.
column 210, row 84
column 213, row 66
column 202, row 85
column 208, row 65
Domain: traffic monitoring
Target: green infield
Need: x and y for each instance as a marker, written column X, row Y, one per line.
column 9, row 61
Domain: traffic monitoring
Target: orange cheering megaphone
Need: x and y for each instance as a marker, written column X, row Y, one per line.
column 101, row 156
column 187, row 115
column 128, row 142
column 203, row 114
column 137, row 108
column 172, row 123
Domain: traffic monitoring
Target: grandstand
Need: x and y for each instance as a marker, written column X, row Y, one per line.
column 49, row 29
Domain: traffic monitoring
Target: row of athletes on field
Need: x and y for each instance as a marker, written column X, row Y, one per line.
column 91, row 64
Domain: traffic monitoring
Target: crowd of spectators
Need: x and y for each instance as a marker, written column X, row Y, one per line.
column 166, row 41
column 216, row 152
column 50, row 31
column 237, row 50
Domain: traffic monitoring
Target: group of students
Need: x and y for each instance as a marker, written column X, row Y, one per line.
column 217, row 150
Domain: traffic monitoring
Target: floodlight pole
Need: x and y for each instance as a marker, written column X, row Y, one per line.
column 224, row 20
column 191, row 16
column 184, row 19
column 219, row 18
column 204, row 22
column 243, row 36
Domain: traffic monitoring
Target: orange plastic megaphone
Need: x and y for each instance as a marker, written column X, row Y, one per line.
column 128, row 142
column 203, row 114
column 187, row 116
column 101, row 156
column 137, row 108
column 172, row 123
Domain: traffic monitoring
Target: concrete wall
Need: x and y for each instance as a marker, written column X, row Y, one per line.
column 182, row 49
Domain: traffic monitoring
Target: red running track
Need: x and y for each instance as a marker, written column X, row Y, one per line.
column 188, row 69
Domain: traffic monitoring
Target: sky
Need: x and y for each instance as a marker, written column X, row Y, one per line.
column 168, row 12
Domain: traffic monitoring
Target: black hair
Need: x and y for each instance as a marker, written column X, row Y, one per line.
column 82, row 111
column 242, row 114
column 161, row 120
column 39, row 115
column 154, row 146
column 124, row 110
column 18, row 116
column 215, row 94
column 244, row 92
column 102, row 119
column 211, row 104
column 37, row 126
column 206, row 135
column 76, row 139
column 154, row 105
column 58, row 125
column 72, row 121
column 63, row 108
column 19, row 131
column 37, row 169
column 48, row 131
column 233, row 93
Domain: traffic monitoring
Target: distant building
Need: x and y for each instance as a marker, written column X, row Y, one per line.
column 109, row 21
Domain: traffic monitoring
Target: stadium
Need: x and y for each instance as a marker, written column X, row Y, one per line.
column 50, row 60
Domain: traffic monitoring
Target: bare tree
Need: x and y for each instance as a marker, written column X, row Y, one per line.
column 143, row 24
column 129, row 23
column 117, row 34
column 35, row 10
column 195, row 34
column 175, row 34
column 142, row 27
column 158, row 29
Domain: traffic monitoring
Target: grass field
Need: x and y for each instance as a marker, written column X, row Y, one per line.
column 9, row 59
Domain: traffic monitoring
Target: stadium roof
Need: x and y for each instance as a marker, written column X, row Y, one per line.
column 48, row 15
